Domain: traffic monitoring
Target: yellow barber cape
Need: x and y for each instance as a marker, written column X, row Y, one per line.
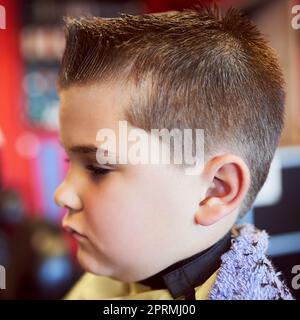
column 91, row 287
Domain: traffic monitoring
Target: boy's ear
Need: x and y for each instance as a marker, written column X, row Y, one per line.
column 228, row 180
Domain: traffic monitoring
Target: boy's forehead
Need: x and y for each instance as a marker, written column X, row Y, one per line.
column 84, row 110
column 99, row 100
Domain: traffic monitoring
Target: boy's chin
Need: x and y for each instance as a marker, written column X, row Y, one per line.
column 89, row 263
column 92, row 265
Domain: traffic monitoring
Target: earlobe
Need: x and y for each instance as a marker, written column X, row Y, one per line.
column 230, row 179
column 210, row 213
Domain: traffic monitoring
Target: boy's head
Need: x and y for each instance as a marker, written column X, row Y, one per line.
column 186, row 70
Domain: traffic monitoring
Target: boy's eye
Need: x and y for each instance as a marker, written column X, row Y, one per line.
column 94, row 170
column 97, row 171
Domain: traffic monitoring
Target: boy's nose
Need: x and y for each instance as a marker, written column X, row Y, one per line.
column 66, row 197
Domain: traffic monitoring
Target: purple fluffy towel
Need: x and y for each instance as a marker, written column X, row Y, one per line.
column 246, row 273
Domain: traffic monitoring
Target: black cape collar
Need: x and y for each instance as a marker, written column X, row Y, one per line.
column 182, row 277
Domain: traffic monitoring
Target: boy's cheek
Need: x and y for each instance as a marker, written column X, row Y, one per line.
column 106, row 212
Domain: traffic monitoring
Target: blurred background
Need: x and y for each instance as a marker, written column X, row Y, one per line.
column 38, row 257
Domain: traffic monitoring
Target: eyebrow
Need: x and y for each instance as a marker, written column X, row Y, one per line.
column 85, row 149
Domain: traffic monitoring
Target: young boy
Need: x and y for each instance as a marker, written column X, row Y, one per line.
column 152, row 231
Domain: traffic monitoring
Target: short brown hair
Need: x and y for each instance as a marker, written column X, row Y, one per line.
column 203, row 69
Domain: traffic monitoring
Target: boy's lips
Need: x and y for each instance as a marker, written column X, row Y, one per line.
column 75, row 234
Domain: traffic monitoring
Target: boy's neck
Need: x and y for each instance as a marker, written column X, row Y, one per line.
column 183, row 276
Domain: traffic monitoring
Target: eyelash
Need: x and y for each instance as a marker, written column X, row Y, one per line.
column 96, row 171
